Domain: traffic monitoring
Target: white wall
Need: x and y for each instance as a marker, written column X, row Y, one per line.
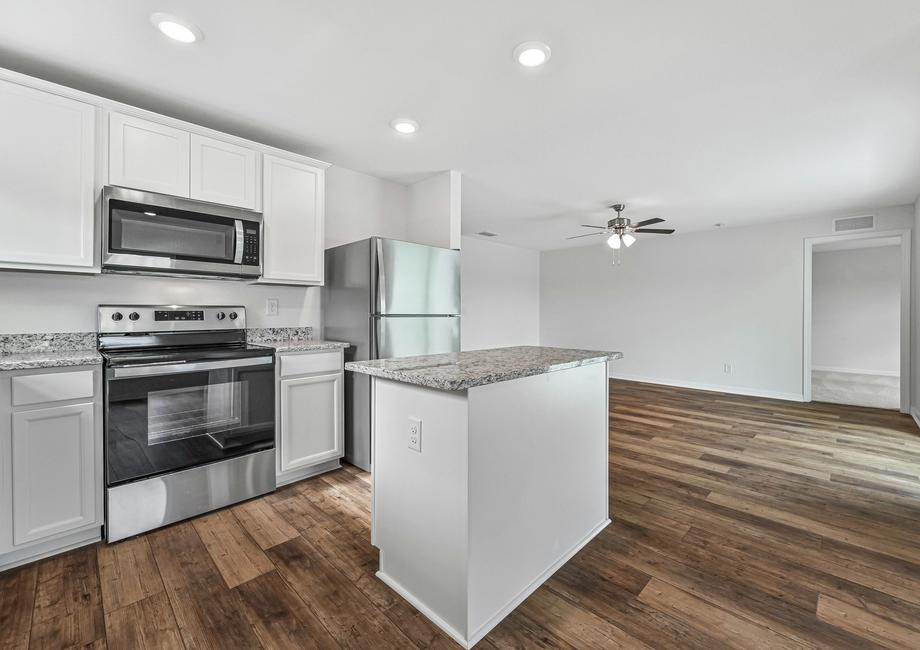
column 359, row 206
column 915, row 316
column 499, row 294
column 434, row 210
column 679, row 307
column 48, row 302
column 856, row 310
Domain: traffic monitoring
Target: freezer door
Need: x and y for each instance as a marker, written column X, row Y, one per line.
column 415, row 279
column 409, row 336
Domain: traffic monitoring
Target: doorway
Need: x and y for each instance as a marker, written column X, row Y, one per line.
column 857, row 320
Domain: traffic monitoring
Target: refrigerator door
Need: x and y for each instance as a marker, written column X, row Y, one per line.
column 415, row 279
column 409, row 336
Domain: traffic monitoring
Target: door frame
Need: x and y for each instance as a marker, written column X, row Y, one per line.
column 810, row 242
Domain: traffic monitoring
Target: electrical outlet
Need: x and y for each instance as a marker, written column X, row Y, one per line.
column 271, row 306
column 415, row 434
column 727, row 368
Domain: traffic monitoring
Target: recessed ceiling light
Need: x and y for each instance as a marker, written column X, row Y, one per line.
column 404, row 126
column 532, row 54
column 175, row 28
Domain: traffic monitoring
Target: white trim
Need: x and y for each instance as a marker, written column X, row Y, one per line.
column 716, row 388
column 809, row 245
column 486, row 627
column 915, row 414
column 858, row 371
column 424, row 609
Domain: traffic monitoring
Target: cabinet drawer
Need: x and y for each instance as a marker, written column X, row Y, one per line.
column 52, row 387
column 304, row 364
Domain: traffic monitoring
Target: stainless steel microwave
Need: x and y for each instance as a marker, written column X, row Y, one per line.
column 144, row 232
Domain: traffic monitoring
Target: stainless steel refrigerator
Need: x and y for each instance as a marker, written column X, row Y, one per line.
column 388, row 298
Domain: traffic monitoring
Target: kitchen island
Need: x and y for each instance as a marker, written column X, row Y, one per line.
column 489, row 472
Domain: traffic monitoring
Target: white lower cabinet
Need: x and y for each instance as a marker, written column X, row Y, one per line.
column 53, row 471
column 50, row 464
column 310, row 436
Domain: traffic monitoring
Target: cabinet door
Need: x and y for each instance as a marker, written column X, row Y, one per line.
column 311, row 421
column 148, row 156
column 293, row 207
column 46, row 180
column 223, row 172
column 54, row 471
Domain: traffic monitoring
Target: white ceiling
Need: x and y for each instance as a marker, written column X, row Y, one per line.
column 699, row 112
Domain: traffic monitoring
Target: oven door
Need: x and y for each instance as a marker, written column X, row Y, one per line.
column 168, row 417
column 158, row 233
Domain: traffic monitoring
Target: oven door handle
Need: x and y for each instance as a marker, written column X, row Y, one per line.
column 147, row 370
column 238, row 253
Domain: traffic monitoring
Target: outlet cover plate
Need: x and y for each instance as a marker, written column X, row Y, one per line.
column 415, row 434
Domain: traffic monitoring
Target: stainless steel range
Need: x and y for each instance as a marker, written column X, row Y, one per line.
column 189, row 413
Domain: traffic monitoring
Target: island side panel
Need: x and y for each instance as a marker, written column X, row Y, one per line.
column 420, row 499
column 538, row 483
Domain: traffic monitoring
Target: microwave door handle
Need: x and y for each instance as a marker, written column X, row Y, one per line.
column 238, row 255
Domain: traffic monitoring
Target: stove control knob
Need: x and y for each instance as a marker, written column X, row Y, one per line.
column 117, row 316
column 232, row 315
column 134, row 315
column 221, row 315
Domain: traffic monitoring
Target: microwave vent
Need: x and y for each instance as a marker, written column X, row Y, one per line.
column 854, row 224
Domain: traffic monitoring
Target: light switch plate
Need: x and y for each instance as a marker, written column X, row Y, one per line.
column 415, row 434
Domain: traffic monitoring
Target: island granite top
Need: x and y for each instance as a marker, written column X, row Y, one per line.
column 462, row 370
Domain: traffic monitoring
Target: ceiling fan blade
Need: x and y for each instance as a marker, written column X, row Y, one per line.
column 648, row 222
column 657, row 231
column 590, row 234
column 584, row 225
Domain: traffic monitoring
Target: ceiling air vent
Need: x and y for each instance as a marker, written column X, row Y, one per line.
column 486, row 233
column 853, row 224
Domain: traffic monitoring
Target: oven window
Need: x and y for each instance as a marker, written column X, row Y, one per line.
column 178, row 413
column 138, row 232
column 163, row 423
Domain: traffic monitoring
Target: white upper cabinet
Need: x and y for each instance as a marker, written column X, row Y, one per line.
column 293, row 204
column 223, row 172
column 47, row 180
column 144, row 155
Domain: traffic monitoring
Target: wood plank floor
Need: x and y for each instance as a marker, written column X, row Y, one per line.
column 738, row 523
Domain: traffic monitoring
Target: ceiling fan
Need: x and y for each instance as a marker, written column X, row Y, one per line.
column 621, row 231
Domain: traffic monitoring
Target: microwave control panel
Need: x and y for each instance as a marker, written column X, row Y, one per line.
column 251, row 247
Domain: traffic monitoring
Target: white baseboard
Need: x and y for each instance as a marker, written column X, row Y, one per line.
column 915, row 414
column 857, row 371
column 286, row 478
column 718, row 388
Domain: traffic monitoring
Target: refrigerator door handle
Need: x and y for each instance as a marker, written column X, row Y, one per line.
column 381, row 279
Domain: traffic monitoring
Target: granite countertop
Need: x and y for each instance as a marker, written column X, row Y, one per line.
column 462, row 370
column 47, row 350
column 48, row 359
column 299, row 345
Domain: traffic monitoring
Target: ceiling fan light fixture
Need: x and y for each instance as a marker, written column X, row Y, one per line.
column 629, row 240
column 614, row 242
